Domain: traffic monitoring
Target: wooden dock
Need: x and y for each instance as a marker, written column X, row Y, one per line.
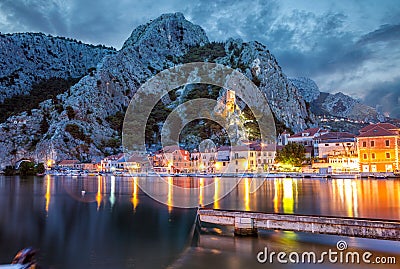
column 248, row 223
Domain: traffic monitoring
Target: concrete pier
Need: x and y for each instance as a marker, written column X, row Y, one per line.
column 248, row 223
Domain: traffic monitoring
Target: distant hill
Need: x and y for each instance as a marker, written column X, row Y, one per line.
column 338, row 111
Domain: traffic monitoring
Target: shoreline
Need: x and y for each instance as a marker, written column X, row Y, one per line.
column 376, row 175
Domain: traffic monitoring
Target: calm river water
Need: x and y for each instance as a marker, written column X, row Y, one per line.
column 115, row 225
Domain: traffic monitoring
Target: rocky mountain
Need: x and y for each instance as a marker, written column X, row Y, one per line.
column 84, row 122
column 336, row 105
column 28, row 58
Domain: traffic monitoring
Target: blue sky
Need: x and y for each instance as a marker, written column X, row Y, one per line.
column 348, row 46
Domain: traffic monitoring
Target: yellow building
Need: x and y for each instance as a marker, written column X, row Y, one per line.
column 379, row 148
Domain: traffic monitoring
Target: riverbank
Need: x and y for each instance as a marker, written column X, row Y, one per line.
column 376, row 175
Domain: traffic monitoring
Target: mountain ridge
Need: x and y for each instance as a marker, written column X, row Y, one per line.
column 80, row 123
column 28, row 58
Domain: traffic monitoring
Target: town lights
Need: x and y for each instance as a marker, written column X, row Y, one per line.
column 49, row 163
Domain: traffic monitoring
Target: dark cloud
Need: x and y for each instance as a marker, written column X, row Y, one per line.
column 385, row 96
column 37, row 15
column 344, row 46
column 385, row 33
column 238, row 19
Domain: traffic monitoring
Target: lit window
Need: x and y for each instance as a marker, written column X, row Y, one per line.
column 364, row 144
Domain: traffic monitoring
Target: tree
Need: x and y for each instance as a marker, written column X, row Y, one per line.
column 293, row 154
column 40, row 168
column 27, row 169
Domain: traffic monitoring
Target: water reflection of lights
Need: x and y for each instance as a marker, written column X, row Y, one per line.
column 112, row 194
column 201, row 189
column 285, row 195
column 169, row 199
column 277, row 188
column 348, row 193
column 288, row 198
column 135, row 199
column 246, row 194
column 217, row 182
column 99, row 195
column 48, row 193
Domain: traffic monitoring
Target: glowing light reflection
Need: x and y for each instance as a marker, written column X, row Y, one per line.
column 169, row 199
column 112, row 194
column 135, row 199
column 47, row 196
column 246, row 194
column 99, row 196
column 201, row 189
column 217, row 182
column 288, row 198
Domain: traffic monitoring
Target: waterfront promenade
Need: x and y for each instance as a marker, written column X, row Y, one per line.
column 248, row 223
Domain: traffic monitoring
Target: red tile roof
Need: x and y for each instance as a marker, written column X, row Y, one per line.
column 386, row 126
column 377, row 131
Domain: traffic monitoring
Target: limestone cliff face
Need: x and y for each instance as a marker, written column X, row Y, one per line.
column 259, row 65
column 337, row 105
column 103, row 93
column 81, row 127
column 28, row 58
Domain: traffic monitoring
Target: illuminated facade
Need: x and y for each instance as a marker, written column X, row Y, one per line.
column 378, row 148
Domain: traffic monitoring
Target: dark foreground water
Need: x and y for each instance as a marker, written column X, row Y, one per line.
column 115, row 225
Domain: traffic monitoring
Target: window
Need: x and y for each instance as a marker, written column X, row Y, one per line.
column 387, row 143
column 236, row 155
column 223, row 163
column 251, row 162
column 251, row 154
column 373, row 155
column 326, row 145
column 365, row 156
column 337, row 144
column 372, row 143
column 387, row 154
column 237, row 162
column 364, row 144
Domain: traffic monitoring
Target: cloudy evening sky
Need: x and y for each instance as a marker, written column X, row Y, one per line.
column 348, row 46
